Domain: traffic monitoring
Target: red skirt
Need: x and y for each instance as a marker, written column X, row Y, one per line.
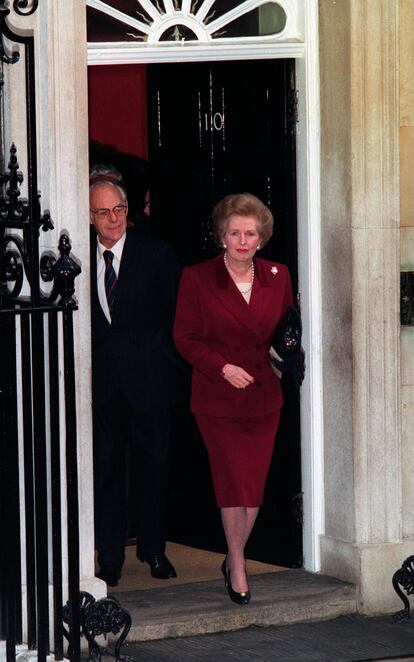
column 240, row 451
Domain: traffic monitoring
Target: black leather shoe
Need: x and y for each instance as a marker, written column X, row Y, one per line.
column 160, row 566
column 110, row 574
column 238, row 598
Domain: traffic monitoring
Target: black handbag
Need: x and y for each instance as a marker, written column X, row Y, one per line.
column 287, row 336
column 286, row 353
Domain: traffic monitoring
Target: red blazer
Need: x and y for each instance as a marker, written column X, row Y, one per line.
column 214, row 325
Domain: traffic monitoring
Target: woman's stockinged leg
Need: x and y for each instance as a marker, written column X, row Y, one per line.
column 237, row 523
column 251, row 514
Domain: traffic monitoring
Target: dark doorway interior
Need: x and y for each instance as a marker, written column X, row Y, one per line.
column 217, row 128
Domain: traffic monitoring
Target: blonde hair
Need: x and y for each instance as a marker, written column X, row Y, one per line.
column 244, row 204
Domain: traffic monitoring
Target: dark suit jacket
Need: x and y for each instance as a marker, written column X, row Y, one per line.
column 135, row 354
column 214, row 325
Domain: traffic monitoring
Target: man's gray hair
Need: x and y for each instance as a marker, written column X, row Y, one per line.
column 108, row 182
column 106, row 171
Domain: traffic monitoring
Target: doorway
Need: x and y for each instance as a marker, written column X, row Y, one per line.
column 218, row 128
column 215, row 128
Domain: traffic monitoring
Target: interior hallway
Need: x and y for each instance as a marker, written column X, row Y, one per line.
column 192, row 565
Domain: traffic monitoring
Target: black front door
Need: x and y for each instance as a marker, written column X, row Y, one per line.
column 218, row 128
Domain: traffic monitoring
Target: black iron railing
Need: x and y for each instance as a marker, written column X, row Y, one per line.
column 31, row 430
column 38, row 445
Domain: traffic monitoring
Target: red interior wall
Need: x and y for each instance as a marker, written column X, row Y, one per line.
column 118, row 107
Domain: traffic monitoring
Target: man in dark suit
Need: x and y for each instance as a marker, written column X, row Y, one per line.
column 135, row 380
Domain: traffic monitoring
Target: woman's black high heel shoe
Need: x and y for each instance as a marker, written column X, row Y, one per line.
column 238, row 598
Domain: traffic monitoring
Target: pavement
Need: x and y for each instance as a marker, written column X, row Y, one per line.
column 294, row 616
column 349, row 638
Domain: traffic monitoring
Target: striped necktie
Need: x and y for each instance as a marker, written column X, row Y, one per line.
column 110, row 280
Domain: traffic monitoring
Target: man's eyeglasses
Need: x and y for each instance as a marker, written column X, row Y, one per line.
column 118, row 210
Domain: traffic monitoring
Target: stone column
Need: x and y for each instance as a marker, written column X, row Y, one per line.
column 407, row 255
column 63, row 140
column 363, row 540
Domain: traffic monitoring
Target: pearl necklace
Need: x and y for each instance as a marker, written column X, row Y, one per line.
column 251, row 274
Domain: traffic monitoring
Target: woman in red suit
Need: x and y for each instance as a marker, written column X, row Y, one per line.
column 227, row 310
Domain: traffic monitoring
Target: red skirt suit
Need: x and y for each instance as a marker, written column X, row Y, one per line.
column 213, row 326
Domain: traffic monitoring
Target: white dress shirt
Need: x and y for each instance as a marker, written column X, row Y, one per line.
column 100, row 270
column 245, row 290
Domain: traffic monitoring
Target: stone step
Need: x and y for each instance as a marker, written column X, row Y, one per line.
column 277, row 598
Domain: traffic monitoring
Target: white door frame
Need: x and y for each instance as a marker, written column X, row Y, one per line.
column 309, row 231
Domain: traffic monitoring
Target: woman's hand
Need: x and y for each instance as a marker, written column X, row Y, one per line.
column 236, row 376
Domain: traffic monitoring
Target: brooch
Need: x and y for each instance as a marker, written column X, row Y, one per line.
column 274, row 270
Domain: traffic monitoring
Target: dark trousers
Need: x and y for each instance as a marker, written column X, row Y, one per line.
column 116, row 424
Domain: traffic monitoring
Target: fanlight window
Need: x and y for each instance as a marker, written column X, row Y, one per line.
column 206, row 21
